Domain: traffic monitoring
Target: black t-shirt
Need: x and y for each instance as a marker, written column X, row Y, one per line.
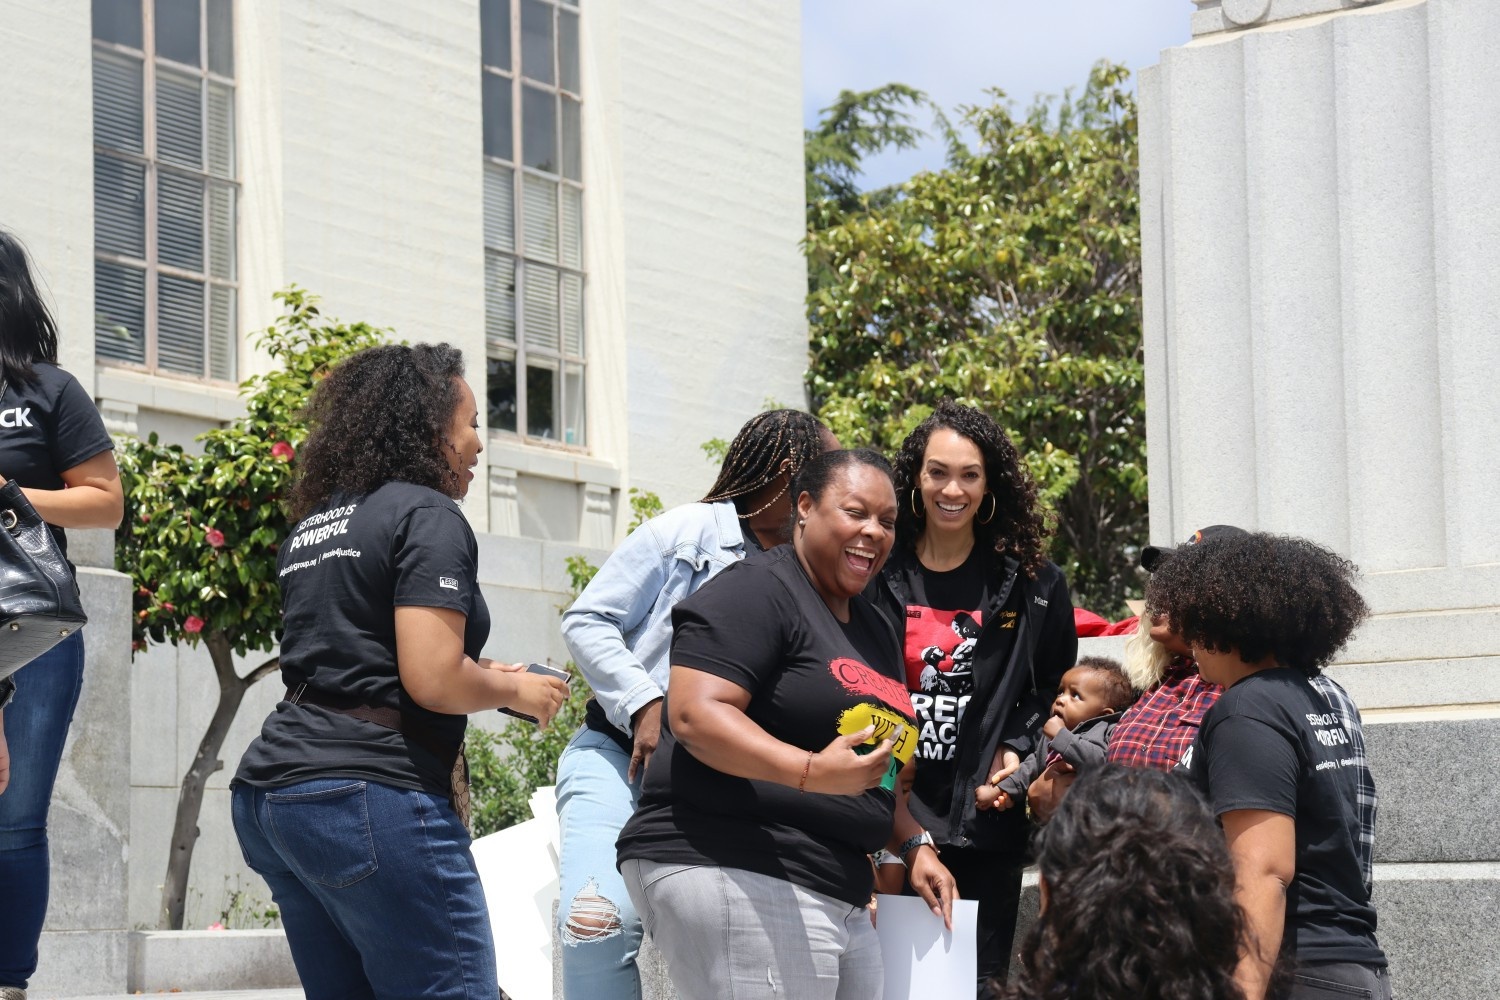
column 1272, row 743
column 943, row 621
column 46, row 428
column 343, row 571
column 760, row 624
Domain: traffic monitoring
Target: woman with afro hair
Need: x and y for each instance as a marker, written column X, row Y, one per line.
column 969, row 550
column 1137, row 895
column 347, row 804
column 1262, row 614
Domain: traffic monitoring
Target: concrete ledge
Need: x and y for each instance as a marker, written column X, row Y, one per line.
column 1428, row 797
column 74, row 963
column 1440, row 927
column 210, row 960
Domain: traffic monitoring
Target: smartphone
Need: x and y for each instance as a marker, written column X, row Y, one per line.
column 538, row 668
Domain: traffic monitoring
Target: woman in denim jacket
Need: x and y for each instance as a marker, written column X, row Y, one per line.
column 619, row 632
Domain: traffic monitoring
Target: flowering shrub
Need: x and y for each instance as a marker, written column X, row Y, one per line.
column 200, row 536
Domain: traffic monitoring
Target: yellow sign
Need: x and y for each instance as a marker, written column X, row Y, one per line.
column 889, row 725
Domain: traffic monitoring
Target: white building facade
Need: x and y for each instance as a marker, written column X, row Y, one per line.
column 599, row 202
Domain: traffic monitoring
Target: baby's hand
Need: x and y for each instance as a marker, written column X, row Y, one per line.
column 987, row 797
column 1053, row 727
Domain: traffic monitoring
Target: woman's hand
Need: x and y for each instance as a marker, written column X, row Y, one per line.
column 536, row 695
column 933, row 882
column 645, row 727
column 1005, row 761
column 838, row 770
column 1047, row 791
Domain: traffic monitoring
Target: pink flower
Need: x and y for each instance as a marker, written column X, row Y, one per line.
column 168, row 605
column 194, row 625
column 214, row 537
column 282, row 451
column 216, row 926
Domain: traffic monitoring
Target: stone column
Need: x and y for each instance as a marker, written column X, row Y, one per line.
column 84, row 948
column 1320, row 195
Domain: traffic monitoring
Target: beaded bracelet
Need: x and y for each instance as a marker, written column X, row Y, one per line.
column 806, row 767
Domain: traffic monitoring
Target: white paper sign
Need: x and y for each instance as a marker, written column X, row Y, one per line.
column 520, row 885
column 923, row 959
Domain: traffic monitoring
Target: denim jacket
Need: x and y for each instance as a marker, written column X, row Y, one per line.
column 620, row 628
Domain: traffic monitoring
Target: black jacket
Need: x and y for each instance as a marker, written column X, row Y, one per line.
column 1010, row 700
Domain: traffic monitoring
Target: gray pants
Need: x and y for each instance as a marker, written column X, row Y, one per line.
column 1339, row 981
column 726, row 932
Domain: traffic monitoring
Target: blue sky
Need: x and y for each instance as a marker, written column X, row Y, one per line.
column 954, row 49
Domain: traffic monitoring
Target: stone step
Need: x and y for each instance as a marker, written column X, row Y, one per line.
column 222, row 995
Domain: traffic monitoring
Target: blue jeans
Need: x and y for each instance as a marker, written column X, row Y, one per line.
column 597, row 922
column 36, row 728
column 377, row 888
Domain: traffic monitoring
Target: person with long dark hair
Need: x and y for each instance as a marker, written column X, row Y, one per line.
column 619, row 630
column 345, row 803
column 776, row 776
column 1137, row 895
column 54, row 445
column 988, row 633
column 1277, row 759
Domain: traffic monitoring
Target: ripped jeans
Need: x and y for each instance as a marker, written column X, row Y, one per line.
column 596, row 921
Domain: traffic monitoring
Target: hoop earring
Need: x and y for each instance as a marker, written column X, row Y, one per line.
column 994, row 505
column 915, row 510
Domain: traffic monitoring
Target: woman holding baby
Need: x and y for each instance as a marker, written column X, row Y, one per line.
column 987, row 633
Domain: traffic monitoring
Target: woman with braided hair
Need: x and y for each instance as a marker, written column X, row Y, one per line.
column 619, row 632
column 988, row 634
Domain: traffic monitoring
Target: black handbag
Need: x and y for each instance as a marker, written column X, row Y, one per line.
column 39, row 601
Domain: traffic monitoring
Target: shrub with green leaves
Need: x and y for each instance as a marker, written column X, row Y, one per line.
column 1010, row 281
column 200, row 535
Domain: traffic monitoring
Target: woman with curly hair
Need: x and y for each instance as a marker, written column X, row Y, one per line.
column 988, row 634
column 1262, row 615
column 342, row 804
column 1137, row 895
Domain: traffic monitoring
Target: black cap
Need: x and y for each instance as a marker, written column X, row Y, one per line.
column 1152, row 555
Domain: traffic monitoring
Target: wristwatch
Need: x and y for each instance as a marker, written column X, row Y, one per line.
column 7, row 691
column 912, row 843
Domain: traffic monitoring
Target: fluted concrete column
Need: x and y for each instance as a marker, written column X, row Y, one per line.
column 1321, row 228
column 1320, row 203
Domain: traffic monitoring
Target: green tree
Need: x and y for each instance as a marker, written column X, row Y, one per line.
column 1010, row 281
column 200, row 535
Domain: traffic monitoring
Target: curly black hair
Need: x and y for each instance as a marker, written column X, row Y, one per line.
column 1118, row 692
column 380, row 415
column 1260, row 594
column 1140, row 895
column 1018, row 526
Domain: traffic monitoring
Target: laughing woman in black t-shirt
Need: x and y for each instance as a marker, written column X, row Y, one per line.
column 342, row 803
column 785, row 725
column 1262, row 614
column 54, row 446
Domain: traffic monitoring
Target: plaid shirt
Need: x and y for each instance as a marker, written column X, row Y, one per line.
column 1158, row 729
column 1365, row 800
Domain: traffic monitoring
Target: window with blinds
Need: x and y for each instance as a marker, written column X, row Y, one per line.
column 533, row 218
column 165, row 193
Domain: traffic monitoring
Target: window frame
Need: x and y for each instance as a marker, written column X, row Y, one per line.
column 523, row 355
column 154, row 167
